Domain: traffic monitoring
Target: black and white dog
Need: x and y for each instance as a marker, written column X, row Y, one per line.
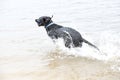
column 71, row 37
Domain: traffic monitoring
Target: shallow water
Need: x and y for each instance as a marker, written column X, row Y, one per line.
column 69, row 68
column 27, row 53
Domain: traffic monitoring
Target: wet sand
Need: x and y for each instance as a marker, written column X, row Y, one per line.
column 32, row 67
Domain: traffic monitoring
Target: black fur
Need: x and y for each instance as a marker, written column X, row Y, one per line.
column 71, row 37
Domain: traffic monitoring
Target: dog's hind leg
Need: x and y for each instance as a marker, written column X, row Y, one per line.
column 67, row 40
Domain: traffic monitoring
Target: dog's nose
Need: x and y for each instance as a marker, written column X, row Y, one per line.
column 36, row 20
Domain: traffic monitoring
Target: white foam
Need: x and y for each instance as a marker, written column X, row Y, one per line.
column 109, row 49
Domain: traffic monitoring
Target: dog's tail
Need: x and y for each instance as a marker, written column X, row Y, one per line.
column 90, row 44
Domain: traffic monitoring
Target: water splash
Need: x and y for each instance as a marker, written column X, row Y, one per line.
column 107, row 42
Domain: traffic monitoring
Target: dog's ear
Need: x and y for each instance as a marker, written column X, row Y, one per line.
column 47, row 19
column 44, row 19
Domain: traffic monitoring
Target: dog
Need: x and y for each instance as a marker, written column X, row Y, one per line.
column 71, row 37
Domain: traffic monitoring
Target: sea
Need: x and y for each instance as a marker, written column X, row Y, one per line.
column 27, row 53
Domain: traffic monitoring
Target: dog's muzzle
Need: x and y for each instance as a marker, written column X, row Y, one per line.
column 39, row 24
column 35, row 20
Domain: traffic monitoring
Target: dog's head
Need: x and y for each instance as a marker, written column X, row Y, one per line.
column 43, row 21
